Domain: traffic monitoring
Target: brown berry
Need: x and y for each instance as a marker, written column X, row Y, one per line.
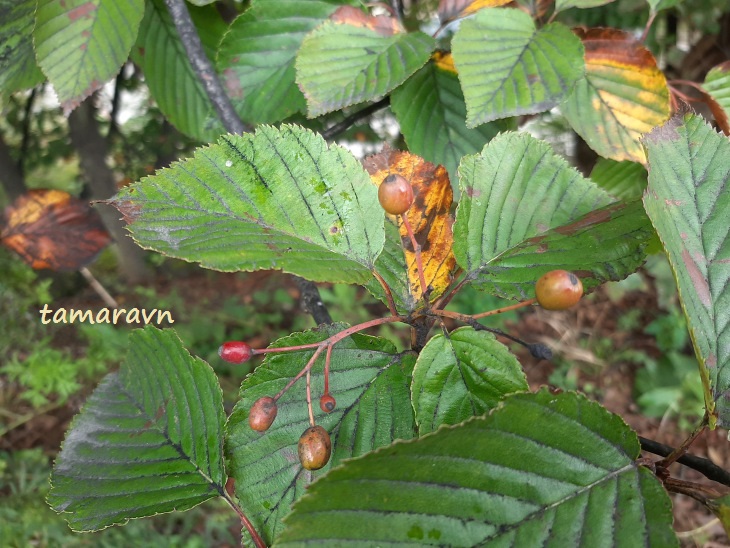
column 558, row 290
column 262, row 414
column 314, row 448
column 327, row 403
column 395, row 194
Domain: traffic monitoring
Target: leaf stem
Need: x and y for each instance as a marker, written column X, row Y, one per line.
column 388, row 294
column 327, row 360
column 309, row 395
column 306, row 368
column 528, row 302
column 416, row 251
column 257, row 540
column 342, row 126
column 682, row 449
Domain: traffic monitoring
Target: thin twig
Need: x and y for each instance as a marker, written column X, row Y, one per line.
column 26, row 129
column 309, row 397
column 388, row 294
column 312, row 301
column 682, row 449
column 705, row 466
column 204, row 68
column 96, row 286
column 528, row 302
column 342, row 126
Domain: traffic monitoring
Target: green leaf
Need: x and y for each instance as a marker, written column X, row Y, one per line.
column 541, row 470
column 514, row 190
column 508, row 67
column 340, row 65
column 18, row 69
column 688, row 202
column 81, row 44
column 605, row 245
column 465, row 374
column 149, row 439
column 256, row 57
column 431, row 112
column 717, row 84
column 277, row 199
column 623, row 180
column 391, row 265
column 373, row 409
column 170, row 77
column 561, row 5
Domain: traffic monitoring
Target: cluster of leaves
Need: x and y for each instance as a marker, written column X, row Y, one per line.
column 538, row 467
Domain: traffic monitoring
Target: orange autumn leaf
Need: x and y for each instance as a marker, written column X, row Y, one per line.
column 453, row 9
column 349, row 15
column 51, row 229
column 623, row 96
column 429, row 216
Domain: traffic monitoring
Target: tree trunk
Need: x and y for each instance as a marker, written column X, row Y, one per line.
column 10, row 176
column 92, row 149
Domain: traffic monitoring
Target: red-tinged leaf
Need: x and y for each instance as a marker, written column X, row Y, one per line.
column 51, row 229
column 349, row 15
column 717, row 94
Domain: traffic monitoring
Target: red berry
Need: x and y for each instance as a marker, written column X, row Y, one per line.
column 314, row 448
column 395, row 194
column 262, row 414
column 235, row 351
column 327, row 403
column 558, row 290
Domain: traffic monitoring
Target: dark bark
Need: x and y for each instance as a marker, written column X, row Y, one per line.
column 10, row 175
column 211, row 83
column 92, row 150
column 708, row 468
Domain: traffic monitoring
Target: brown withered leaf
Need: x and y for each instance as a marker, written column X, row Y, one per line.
column 383, row 25
column 453, row 9
column 51, row 229
column 429, row 216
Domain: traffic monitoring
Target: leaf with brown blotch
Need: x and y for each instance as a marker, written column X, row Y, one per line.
column 429, row 216
column 622, row 96
column 454, row 9
column 349, row 15
column 716, row 90
column 51, row 229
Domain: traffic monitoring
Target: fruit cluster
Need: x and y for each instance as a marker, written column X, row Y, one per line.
column 556, row 290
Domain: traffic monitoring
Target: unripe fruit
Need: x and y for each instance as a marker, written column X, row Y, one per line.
column 314, row 448
column 395, row 194
column 235, row 352
column 262, row 414
column 558, row 290
column 327, row 403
